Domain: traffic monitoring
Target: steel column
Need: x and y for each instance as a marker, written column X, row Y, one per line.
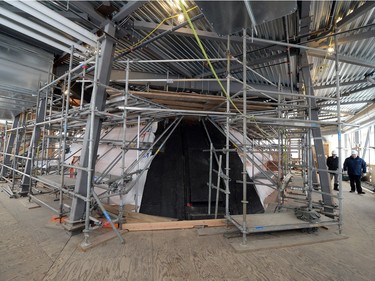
column 9, row 146
column 309, row 91
column 105, row 66
column 26, row 180
column 316, row 132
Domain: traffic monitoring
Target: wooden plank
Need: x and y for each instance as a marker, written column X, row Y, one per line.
column 132, row 217
column 152, row 226
column 173, row 225
column 182, row 94
column 179, row 96
column 192, row 104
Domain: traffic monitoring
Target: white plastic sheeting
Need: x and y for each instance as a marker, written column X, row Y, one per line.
column 134, row 197
column 263, row 190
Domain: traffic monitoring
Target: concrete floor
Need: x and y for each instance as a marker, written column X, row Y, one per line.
column 32, row 247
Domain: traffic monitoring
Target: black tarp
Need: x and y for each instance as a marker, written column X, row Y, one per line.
column 176, row 184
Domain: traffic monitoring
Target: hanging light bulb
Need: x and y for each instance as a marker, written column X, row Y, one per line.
column 331, row 50
column 180, row 18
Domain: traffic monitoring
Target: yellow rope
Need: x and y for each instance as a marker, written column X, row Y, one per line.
column 214, row 72
column 206, row 57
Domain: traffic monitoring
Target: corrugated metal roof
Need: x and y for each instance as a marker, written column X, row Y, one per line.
column 322, row 14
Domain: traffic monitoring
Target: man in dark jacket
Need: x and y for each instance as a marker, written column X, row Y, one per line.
column 333, row 166
column 356, row 167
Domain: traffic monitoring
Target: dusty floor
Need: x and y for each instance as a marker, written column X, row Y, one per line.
column 34, row 248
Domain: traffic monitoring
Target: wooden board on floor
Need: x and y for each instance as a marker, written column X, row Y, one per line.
column 132, row 217
column 169, row 225
column 173, row 225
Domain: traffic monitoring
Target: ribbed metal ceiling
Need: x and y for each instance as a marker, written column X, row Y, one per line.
column 280, row 70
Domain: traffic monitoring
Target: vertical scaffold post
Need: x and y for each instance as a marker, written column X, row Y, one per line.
column 210, row 180
column 124, row 148
column 227, row 169
column 339, row 133
column 65, row 132
column 91, row 165
column 244, row 150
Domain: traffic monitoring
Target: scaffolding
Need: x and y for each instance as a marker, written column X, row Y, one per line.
column 262, row 134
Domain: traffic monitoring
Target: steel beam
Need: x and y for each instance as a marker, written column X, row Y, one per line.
column 26, row 180
column 9, row 148
column 186, row 32
column 357, row 37
column 161, row 55
column 117, row 76
column 205, row 35
column 39, row 28
column 127, row 9
column 343, row 84
column 316, row 131
column 105, row 66
column 32, row 34
column 160, row 35
column 21, row 133
column 323, row 104
column 54, row 19
column 346, row 94
column 365, row 8
column 366, row 142
column 344, row 40
column 280, row 56
column 345, row 59
column 86, row 7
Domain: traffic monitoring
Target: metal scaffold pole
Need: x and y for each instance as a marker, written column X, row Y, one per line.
column 280, row 162
column 137, row 205
column 244, row 145
column 227, row 169
column 340, row 217
column 90, row 167
column 210, row 179
column 124, row 150
column 64, row 132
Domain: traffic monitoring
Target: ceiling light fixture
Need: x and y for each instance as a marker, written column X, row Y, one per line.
column 330, row 50
column 181, row 18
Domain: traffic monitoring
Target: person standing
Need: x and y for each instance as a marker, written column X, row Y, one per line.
column 356, row 167
column 333, row 166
